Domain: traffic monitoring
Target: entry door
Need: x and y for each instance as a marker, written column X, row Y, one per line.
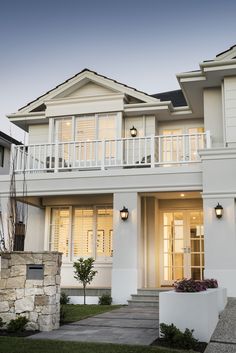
column 183, row 245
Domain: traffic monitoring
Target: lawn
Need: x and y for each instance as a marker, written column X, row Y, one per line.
column 79, row 312
column 22, row 345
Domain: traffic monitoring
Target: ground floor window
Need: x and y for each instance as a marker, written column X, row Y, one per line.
column 82, row 231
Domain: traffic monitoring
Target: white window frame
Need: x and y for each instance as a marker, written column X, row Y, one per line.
column 71, row 258
column 52, row 124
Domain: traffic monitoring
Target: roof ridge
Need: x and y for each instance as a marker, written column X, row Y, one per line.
column 79, row 73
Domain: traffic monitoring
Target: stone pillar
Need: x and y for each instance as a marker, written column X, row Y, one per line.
column 26, row 292
column 126, row 248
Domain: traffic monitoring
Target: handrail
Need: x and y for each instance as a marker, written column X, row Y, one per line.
column 145, row 151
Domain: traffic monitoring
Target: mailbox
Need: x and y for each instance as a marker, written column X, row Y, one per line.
column 35, row 272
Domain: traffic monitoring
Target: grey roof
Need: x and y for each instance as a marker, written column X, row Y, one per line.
column 225, row 51
column 9, row 139
column 176, row 97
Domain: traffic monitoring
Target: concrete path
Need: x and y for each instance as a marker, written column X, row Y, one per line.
column 223, row 339
column 127, row 325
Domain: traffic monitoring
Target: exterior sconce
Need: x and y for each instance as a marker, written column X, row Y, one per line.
column 124, row 213
column 219, row 211
column 133, row 132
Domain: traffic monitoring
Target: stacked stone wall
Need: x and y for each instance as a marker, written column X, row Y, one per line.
column 36, row 299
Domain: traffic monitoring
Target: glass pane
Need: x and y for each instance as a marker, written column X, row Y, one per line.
column 196, row 273
column 179, row 273
column 168, row 274
column 167, row 232
column 59, row 232
column 167, row 246
column 168, row 260
column 195, row 260
column 179, row 244
column 85, row 128
column 168, row 218
column 63, row 130
column 179, row 259
column 104, row 232
column 107, row 126
column 195, row 246
column 83, row 223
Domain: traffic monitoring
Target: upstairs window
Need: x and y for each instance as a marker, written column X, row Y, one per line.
column 85, row 128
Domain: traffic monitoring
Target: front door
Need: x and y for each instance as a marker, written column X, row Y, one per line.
column 182, row 245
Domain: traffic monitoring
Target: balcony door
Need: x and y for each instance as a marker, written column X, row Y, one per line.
column 182, row 245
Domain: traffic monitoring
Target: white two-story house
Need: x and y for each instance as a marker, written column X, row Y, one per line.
column 98, row 147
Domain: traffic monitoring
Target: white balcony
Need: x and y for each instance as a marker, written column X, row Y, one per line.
column 138, row 152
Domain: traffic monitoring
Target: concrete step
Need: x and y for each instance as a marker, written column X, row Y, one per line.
column 143, row 303
column 152, row 292
column 145, row 297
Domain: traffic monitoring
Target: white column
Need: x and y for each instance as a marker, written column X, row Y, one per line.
column 34, row 239
column 126, row 271
column 220, row 243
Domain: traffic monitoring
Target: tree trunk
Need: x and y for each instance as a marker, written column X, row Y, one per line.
column 84, row 286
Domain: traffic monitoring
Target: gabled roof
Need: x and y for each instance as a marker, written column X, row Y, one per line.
column 42, row 106
column 176, row 97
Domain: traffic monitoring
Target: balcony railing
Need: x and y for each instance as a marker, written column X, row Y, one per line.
column 138, row 152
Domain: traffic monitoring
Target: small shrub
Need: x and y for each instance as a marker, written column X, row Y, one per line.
column 17, row 325
column 175, row 338
column 189, row 286
column 84, row 272
column 1, row 322
column 62, row 314
column 105, row 299
column 64, row 299
column 211, row 283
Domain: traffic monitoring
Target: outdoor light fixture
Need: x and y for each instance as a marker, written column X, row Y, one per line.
column 124, row 213
column 219, row 211
column 133, row 132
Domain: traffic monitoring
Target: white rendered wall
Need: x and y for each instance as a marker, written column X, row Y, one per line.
column 220, row 243
column 213, row 115
column 34, row 240
column 230, row 110
column 219, row 185
column 127, row 261
column 38, row 133
column 101, row 280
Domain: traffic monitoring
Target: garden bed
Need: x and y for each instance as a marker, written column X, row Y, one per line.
column 200, row 346
column 26, row 333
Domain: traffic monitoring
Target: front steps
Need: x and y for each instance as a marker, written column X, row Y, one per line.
column 146, row 297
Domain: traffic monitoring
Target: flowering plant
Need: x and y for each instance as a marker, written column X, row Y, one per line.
column 189, row 286
column 211, row 283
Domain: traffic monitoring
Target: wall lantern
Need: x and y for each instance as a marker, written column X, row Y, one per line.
column 133, row 132
column 219, row 211
column 124, row 213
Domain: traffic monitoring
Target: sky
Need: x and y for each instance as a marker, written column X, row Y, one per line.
column 143, row 44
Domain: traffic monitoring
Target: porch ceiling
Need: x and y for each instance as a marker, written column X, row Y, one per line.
column 181, row 195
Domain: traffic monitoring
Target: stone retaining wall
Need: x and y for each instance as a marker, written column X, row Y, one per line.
column 38, row 300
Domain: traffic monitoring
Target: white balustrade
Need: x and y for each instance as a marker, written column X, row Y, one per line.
column 149, row 151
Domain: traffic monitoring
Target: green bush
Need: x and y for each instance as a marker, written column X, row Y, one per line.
column 173, row 337
column 17, row 325
column 64, row 299
column 105, row 299
column 62, row 314
column 1, row 322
